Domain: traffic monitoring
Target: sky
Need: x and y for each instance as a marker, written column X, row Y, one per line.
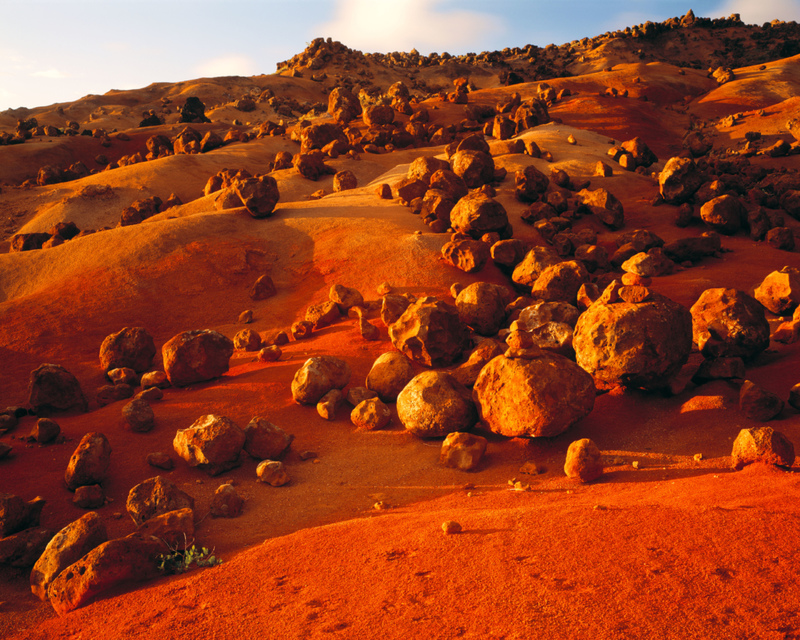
column 60, row 50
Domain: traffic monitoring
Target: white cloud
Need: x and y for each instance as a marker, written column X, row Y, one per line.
column 50, row 74
column 232, row 65
column 402, row 25
column 762, row 11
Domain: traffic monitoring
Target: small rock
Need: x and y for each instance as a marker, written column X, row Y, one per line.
column 264, row 440
column 123, row 375
column 226, row 503
column 371, row 414
column 584, row 461
column 270, row 354
column 155, row 379
column 89, row 497
column 757, row 403
column 462, row 451
column 247, row 340
column 330, row 403
column 246, row 317
column 151, row 394
column 302, row 329
column 368, row 330
column 138, row 416
column 450, row 527
column 89, row 463
column 160, row 460
column 272, row 472
column 761, row 444
column 45, row 431
column 357, row 395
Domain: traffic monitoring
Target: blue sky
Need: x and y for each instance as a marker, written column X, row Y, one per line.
column 60, row 50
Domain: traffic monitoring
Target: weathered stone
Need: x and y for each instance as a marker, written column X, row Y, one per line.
column 529, row 184
column 123, row 375
column 264, row 440
column 155, row 379
column 780, row 291
column 462, row 451
column 174, row 528
column 270, row 354
column 323, row 314
column 482, row 306
column 434, row 403
column 212, row 443
column 154, row 497
column 329, row 404
column 108, row 565
column 131, row 347
column 52, row 388
column 476, row 168
column 345, row 297
column 725, row 214
column 560, row 282
column 533, row 264
column 302, row 329
column 317, row 376
column 476, row 214
column 761, row 444
column 23, row 549
column 45, row 430
column 693, row 249
column 68, row 546
column 679, row 179
column 368, row 330
column 371, row 414
column 344, row 181
column 226, row 503
column 89, row 496
column 468, row 255
column 424, row 167
column 724, row 368
column 507, row 254
column 532, row 393
column 112, row 393
column 430, row 332
column 138, row 416
column 272, row 472
column 636, row 344
column 392, row 307
column 584, row 461
column 263, row 288
column 467, row 372
column 89, row 463
column 247, row 340
column 160, row 460
column 196, row 356
column 757, row 403
column 16, row 514
column 728, row 322
column 259, row 195
column 781, row 238
column 389, row 374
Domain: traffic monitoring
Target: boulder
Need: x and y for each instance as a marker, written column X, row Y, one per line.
column 263, row 288
column 108, row 565
column 533, row 264
column 430, row 332
column 449, row 184
column 389, row 374
column 68, row 546
column 259, row 195
column 156, row 496
column 264, row 440
column 462, row 451
column 639, row 342
column 560, row 282
column 329, row 404
column 371, row 414
column 476, row 168
column 434, row 403
column 757, row 403
column 272, row 472
column 345, row 297
column 344, row 181
column 323, row 314
column 476, row 214
column 247, row 340
column 138, row 416
column 424, row 167
column 679, row 180
column 45, row 431
column 392, row 307
column 52, row 388
column 131, row 347
column 343, row 106
column 529, row 184
column 650, row 264
column 212, row 443
column 174, row 528
column 507, row 254
column 154, row 380
column 467, row 372
column 729, row 323
column 89, row 462
column 16, row 514
column 761, row 444
column 725, row 214
column 226, row 503
column 482, row 306
column 584, row 461
column 89, row 496
column 317, row 376
column 24, row 548
column 780, row 291
column 468, row 255
column 196, row 356
column 532, row 392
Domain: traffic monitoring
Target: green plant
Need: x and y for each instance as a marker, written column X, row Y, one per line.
column 181, row 560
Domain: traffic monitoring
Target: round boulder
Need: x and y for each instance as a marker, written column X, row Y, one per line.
column 389, row 374
column 196, row 356
column 584, row 461
column 132, row 348
column 532, row 393
column 482, row 306
column 433, row 404
column 317, row 376
column 729, row 323
column 476, row 214
column 476, row 168
column 638, row 343
column 52, row 388
column 430, row 332
column 259, row 195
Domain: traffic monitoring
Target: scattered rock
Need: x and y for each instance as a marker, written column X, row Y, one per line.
column 729, row 323
column 89, row 462
column 16, row 514
column 679, row 179
column 476, row 214
column 270, row 354
column 196, row 356
column 317, row 376
column 259, row 195
column 761, row 444
column 329, row 404
column 247, row 340
column 482, row 306
column 780, row 291
column 263, row 288
column 131, row 347
column 155, row 380
column 264, row 440
column 462, row 451
column 160, row 460
column 45, row 431
column 272, row 472
column 89, row 497
column 23, row 549
column 725, row 214
column 584, row 461
column 212, row 443
column 434, row 404
column 757, row 403
column 138, row 416
column 451, row 527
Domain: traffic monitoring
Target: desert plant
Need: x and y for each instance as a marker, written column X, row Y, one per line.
column 181, row 560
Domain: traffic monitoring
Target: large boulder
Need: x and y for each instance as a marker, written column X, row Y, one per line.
column 68, row 546
column 780, row 291
column 343, row 106
column 560, row 282
column 434, row 403
column 154, row 497
column 317, row 376
column 533, row 264
column 196, row 356
column 108, row 565
column 633, row 337
column 131, row 347
column 729, row 323
column 212, row 443
column 532, row 392
column 476, row 168
column 52, row 388
column 259, row 195
column 482, row 306
column 89, row 462
column 725, row 214
column 389, row 374
column 679, row 179
column 476, row 214
column 430, row 332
